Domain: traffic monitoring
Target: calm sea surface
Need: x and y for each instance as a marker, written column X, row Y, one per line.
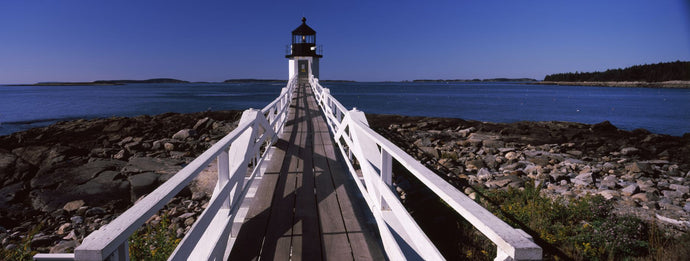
column 665, row 111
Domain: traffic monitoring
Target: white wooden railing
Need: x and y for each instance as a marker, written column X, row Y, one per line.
column 402, row 237
column 244, row 147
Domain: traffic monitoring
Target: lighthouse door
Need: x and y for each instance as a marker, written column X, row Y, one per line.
column 303, row 68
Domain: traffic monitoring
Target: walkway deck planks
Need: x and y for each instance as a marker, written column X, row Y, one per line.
column 307, row 206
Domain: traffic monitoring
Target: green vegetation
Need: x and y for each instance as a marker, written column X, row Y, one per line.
column 156, row 241
column 671, row 71
column 23, row 249
column 581, row 229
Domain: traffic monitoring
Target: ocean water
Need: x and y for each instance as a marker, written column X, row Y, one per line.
column 665, row 111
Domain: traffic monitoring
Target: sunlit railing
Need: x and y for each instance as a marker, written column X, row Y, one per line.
column 212, row 235
column 372, row 155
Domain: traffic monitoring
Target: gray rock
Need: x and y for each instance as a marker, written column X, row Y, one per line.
column 156, row 165
column 680, row 188
column 76, row 220
column 466, row 132
column 9, row 193
column 431, row 151
column 34, row 155
column 584, row 179
column 484, row 174
column 184, row 134
column 630, row 151
column 609, row 181
column 687, row 207
column 671, row 194
column 43, row 240
column 474, row 164
column 204, row 123
column 142, row 184
column 630, row 190
column 95, row 211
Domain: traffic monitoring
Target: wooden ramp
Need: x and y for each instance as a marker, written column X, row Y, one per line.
column 307, row 206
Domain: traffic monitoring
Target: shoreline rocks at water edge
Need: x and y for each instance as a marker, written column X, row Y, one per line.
column 73, row 177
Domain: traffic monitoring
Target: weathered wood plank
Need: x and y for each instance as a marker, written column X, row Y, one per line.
column 306, row 242
column 364, row 238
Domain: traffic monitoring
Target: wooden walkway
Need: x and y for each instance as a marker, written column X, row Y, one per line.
column 307, row 206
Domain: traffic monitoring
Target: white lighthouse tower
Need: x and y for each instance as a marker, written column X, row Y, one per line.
column 303, row 53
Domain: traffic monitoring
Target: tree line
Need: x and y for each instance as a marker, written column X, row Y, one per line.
column 670, row 71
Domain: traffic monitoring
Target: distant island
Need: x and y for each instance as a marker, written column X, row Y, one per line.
column 105, row 82
column 480, row 80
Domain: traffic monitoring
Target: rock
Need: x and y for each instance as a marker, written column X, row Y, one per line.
column 73, row 205
column 609, row 181
column 184, row 134
column 142, row 184
column 64, row 228
column 169, row 146
column 511, row 155
column 95, row 211
column 474, row 164
column 639, row 167
column 156, row 165
column 42, row 240
column 64, row 246
column 630, row 190
column 466, row 132
column 8, row 194
column 687, row 207
column 203, row 124
column 34, row 155
column 645, row 196
column 604, row 127
column 77, row 220
column 680, row 188
column 431, row 151
column 189, row 221
column 484, row 174
column 121, row 155
column 630, row 151
column 584, row 179
column 609, row 194
column 671, row 194
column 493, row 144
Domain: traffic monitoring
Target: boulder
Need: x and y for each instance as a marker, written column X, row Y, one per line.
column 142, row 184
column 156, row 165
column 609, row 181
column 680, row 188
column 609, row 194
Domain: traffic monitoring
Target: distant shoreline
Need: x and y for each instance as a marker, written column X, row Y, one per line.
column 666, row 84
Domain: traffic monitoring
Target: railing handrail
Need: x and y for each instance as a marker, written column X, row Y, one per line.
column 511, row 243
column 254, row 130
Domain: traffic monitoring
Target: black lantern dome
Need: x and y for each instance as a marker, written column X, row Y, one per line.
column 303, row 41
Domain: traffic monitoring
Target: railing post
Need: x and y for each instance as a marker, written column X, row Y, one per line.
column 223, row 174
column 386, row 175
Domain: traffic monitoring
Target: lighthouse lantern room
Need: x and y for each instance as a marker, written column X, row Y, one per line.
column 303, row 54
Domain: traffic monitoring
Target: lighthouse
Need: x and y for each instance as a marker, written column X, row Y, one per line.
column 303, row 54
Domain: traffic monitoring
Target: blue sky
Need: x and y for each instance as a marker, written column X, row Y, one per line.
column 69, row 40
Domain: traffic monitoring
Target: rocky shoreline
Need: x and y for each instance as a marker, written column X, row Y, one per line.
column 68, row 179
column 644, row 174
